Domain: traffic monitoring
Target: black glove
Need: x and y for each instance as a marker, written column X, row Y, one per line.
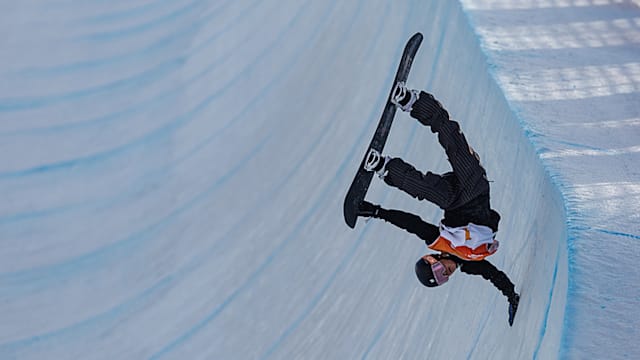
column 513, row 307
column 367, row 209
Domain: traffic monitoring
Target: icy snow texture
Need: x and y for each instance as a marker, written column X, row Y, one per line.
column 571, row 70
column 172, row 175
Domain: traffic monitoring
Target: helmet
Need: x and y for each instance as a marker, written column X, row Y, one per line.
column 430, row 271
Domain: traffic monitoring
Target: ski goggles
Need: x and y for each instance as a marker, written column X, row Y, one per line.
column 437, row 268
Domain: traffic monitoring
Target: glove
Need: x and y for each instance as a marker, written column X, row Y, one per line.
column 367, row 209
column 513, row 307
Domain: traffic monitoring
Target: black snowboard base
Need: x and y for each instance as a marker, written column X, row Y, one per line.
column 362, row 180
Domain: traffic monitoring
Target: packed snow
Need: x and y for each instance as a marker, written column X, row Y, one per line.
column 172, row 176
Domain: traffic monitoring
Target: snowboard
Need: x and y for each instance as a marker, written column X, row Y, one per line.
column 362, row 180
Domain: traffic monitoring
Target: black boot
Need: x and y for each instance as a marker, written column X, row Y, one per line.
column 429, row 111
column 404, row 97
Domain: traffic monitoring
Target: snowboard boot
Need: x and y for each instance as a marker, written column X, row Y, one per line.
column 404, row 98
column 376, row 162
column 421, row 105
column 429, row 112
column 367, row 209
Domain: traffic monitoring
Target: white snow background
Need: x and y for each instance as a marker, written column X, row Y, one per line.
column 172, row 176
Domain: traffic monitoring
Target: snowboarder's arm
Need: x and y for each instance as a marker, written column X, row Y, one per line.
column 488, row 271
column 498, row 279
column 411, row 223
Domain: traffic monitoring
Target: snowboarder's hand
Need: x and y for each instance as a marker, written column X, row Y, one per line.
column 513, row 307
column 367, row 209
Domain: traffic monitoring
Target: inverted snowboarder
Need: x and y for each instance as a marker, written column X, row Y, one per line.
column 466, row 234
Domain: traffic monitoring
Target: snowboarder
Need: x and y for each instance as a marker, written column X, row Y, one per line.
column 466, row 234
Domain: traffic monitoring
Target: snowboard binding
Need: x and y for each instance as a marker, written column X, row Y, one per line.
column 403, row 97
column 376, row 163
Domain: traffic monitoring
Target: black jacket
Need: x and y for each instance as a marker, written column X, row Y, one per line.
column 477, row 211
column 429, row 233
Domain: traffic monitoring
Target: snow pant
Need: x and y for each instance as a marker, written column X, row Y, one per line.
column 449, row 191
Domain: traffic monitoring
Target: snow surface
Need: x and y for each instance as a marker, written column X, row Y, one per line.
column 172, row 176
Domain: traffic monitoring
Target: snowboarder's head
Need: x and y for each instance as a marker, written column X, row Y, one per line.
column 434, row 270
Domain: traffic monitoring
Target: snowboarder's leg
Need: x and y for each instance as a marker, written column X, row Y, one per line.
column 464, row 160
column 429, row 186
column 397, row 173
column 448, row 192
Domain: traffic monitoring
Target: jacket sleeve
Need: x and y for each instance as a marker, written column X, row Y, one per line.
column 411, row 223
column 488, row 271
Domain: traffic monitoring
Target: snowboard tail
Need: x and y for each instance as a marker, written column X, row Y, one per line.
column 362, row 180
